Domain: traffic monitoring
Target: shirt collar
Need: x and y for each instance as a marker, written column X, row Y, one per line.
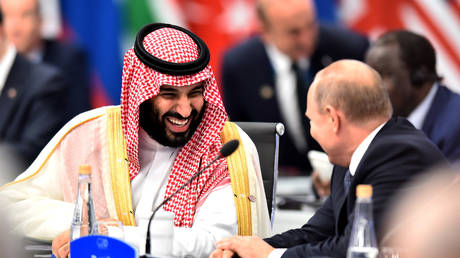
column 36, row 55
column 362, row 148
column 417, row 117
column 281, row 62
column 6, row 62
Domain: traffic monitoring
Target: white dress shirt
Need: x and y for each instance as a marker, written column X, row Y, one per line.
column 417, row 117
column 285, row 86
column 362, row 148
column 6, row 62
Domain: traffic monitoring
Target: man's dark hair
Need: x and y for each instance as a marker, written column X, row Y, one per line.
column 416, row 52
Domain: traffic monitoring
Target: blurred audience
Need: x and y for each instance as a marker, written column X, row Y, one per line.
column 32, row 97
column 407, row 64
column 11, row 245
column 266, row 77
column 10, row 164
column 350, row 116
column 22, row 25
column 425, row 221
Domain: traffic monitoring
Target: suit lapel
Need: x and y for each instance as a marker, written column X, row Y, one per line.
column 339, row 196
column 429, row 124
column 12, row 92
column 346, row 205
column 265, row 80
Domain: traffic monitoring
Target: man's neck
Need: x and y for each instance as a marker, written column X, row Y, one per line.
column 357, row 133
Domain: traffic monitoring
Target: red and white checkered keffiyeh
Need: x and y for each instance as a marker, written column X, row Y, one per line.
column 140, row 83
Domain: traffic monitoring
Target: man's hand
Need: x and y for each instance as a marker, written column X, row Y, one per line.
column 244, row 246
column 61, row 245
column 322, row 188
column 219, row 253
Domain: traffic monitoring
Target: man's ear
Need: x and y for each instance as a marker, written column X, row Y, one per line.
column 334, row 117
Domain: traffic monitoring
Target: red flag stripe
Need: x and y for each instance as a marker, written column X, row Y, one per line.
column 446, row 45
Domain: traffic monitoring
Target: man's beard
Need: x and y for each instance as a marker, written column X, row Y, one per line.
column 154, row 124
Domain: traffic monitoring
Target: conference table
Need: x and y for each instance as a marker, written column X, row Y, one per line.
column 295, row 205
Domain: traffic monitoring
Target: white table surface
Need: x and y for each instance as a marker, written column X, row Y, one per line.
column 298, row 187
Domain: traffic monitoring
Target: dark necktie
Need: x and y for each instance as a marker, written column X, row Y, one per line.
column 303, row 80
column 301, row 86
column 347, row 181
column 301, row 90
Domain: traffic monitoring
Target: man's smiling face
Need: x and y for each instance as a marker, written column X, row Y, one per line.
column 173, row 115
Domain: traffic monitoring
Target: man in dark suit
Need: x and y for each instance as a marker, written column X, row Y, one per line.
column 22, row 25
column 407, row 63
column 266, row 77
column 349, row 114
column 32, row 97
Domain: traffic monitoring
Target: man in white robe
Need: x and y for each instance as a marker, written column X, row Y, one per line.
column 171, row 123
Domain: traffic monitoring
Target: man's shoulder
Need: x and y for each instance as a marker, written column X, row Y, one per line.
column 36, row 74
column 60, row 53
column 339, row 42
column 443, row 110
column 400, row 136
column 447, row 98
column 399, row 150
column 92, row 116
column 398, row 128
column 338, row 32
column 61, row 47
column 245, row 49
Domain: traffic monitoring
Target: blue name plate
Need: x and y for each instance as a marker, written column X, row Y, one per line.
column 98, row 246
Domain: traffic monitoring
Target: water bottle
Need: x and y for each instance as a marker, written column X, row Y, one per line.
column 363, row 243
column 84, row 217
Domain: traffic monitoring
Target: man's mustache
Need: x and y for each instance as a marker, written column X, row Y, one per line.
column 194, row 113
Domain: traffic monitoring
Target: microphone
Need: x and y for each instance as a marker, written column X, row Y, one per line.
column 227, row 149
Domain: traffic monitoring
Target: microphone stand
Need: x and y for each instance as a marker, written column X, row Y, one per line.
column 225, row 151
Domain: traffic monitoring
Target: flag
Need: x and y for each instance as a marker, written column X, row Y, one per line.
column 95, row 25
column 439, row 21
column 107, row 29
column 138, row 13
column 220, row 23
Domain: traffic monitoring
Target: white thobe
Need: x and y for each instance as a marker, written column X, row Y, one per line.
column 215, row 219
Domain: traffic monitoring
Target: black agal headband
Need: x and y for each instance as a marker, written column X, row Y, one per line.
column 168, row 67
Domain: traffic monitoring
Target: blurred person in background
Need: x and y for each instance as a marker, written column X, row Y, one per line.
column 11, row 245
column 424, row 223
column 266, row 77
column 407, row 64
column 10, row 164
column 32, row 98
column 350, row 116
column 22, row 26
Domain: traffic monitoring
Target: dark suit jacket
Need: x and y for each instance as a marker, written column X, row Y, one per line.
column 442, row 123
column 73, row 63
column 397, row 154
column 31, row 107
column 247, row 71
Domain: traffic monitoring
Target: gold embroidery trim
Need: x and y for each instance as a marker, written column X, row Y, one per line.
column 119, row 168
column 238, row 170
